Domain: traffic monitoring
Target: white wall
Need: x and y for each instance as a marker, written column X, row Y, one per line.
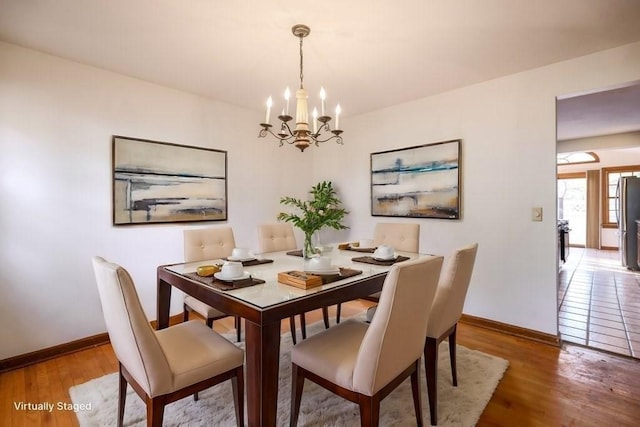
column 56, row 122
column 507, row 127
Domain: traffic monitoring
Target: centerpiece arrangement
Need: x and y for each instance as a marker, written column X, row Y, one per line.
column 323, row 210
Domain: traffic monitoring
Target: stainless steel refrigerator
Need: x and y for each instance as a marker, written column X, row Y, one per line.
column 628, row 211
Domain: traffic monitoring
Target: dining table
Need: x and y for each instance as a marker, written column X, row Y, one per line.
column 264, row 305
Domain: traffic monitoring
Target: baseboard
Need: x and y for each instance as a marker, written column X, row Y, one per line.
column 608, row 248
column 38, row 356
column 511, row 330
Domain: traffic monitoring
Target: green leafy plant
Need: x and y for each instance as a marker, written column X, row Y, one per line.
column 323, row 210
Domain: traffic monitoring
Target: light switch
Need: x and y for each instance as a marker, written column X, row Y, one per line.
column 536, row 214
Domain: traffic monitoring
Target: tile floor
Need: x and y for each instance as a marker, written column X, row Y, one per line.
column 599, row 302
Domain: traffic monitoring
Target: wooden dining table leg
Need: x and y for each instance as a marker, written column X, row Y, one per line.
column 164, row 303
column 262, row 364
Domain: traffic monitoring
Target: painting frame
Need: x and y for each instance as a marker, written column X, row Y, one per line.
column 421, row 181
column 156, row 182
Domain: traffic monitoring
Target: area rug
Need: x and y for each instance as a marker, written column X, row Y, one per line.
column 478, row 376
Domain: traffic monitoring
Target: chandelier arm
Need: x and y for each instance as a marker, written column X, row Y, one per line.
column 317, row 140
column 263, row 133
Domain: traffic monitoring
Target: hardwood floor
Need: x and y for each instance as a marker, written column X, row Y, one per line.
column 544, row 385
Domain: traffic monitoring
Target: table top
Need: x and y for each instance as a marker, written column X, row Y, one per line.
column 272, row 293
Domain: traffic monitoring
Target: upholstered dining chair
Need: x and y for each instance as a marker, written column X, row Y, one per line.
column 401, row 236
column 364, row 363
column 443, row 319
column 275, row 237
column 166, row 365
column 204, row 244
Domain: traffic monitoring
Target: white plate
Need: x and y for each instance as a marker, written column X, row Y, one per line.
column 332, row 270
column 232, row 258
column 221, row 276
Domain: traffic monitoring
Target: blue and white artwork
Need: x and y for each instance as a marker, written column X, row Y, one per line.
column 156, row 182
column 419, row 182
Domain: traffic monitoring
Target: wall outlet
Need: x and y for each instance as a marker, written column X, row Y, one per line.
column 536, row 214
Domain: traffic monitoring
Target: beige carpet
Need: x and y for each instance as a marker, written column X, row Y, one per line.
column 478, row 376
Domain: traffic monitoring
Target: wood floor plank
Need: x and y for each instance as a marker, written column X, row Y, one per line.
column 543, row 386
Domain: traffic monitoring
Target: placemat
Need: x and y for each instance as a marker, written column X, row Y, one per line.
column 250, row 262
column 363, row 250
column 333, row 277
column 371, row 260
column 223, row 285
column 297, row 252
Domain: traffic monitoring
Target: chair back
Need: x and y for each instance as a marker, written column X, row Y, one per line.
column 395, row 338
column 132, row 338
column 208, row 243
column 402, row 236
column 452, row 291
column 276, row 237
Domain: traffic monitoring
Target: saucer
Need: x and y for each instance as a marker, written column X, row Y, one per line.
column 221, row 276
column 232, row 258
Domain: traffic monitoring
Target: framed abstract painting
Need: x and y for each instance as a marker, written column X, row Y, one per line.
column 417, row 182
column 159, row 182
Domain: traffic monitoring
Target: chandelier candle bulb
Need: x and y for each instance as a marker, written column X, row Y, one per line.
column 269, row 104
column 323, row 96
column 338, row 111
column 287, row 94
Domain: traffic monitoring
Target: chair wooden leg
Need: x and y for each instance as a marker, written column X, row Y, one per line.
column 452, row 356
column 155, row 412
column 185, row 313
column 325, row 317
column 237, row 384
column 238, row 321
column 122, row 396
column 303, row 326
column 369, row 410
column 292, row 324
column 210, row 323
column 431, row 368
column 415, row 388
column 338, row 311
column 297, row 385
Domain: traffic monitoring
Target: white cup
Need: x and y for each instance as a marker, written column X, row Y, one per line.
column 231, row 270
column 319, row 263
column 240, row 253
column 366, row 243
column 384, row 252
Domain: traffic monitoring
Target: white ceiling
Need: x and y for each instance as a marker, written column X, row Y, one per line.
column 369, row 54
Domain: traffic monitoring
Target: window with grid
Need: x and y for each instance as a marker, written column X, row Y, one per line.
column 611, row 176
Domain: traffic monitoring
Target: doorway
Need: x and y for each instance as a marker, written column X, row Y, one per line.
column 598, row 299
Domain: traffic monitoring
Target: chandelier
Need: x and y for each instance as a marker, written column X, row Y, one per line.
column 301, row 136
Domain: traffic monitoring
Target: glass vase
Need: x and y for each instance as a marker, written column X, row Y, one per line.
column 309, row 248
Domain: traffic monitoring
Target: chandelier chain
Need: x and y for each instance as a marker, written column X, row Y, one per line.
column 301, row 76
